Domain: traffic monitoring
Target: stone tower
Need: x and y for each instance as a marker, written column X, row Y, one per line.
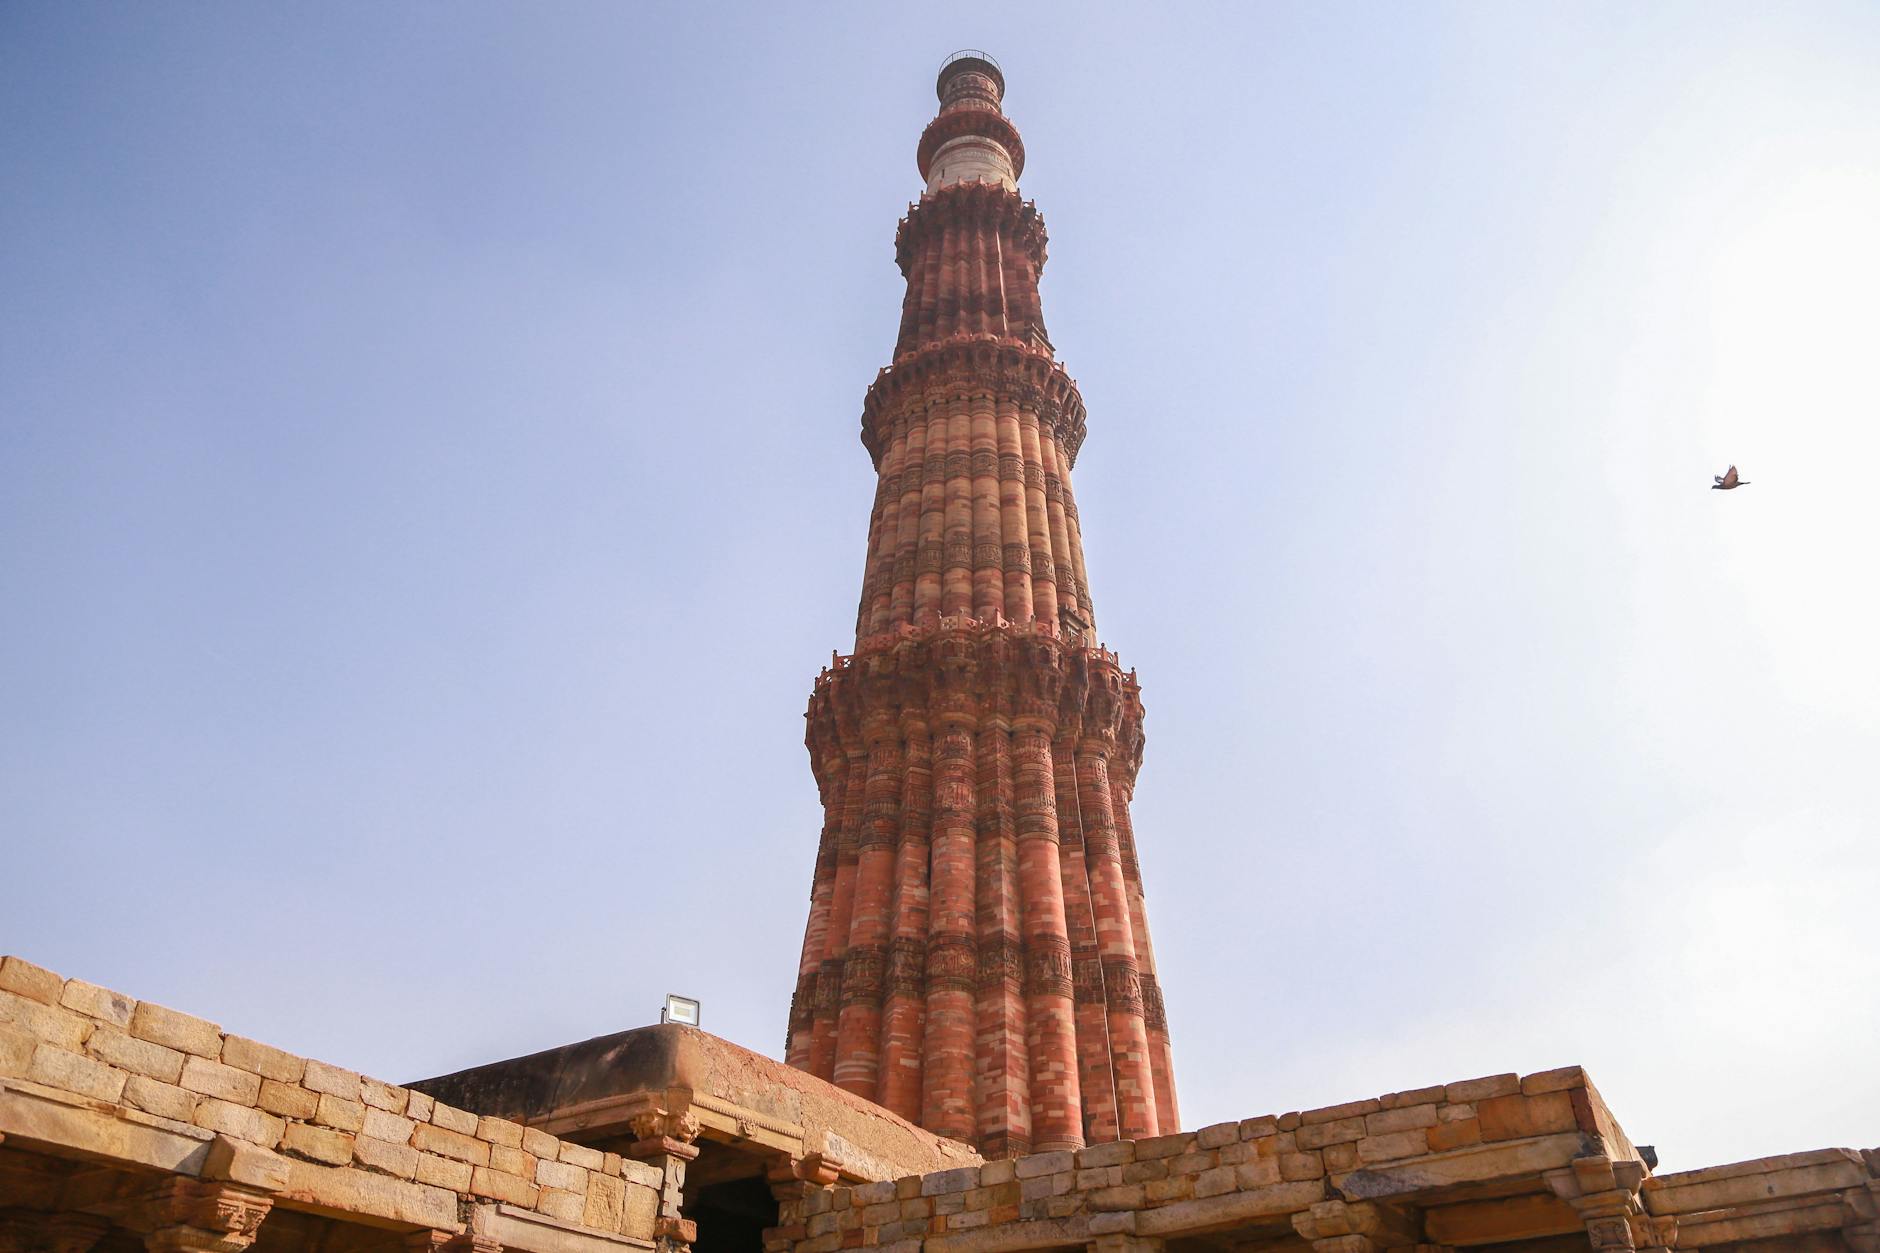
column 977, row 957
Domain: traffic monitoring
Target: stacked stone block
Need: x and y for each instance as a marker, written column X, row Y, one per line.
column 1501, row 1160
column 349, row 1141
column 977, row 956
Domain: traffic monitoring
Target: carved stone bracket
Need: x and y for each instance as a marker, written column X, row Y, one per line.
column 193, row 1216
column 1605, row 1194
column 1357, row 1227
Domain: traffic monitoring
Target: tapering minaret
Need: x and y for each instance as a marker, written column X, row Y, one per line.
column 977, row 957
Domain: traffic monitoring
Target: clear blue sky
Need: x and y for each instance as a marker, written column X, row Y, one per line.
column 429, row 484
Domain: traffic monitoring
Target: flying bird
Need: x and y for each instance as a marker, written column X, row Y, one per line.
column 1727, row 480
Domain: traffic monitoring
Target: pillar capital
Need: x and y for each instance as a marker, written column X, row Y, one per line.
column 432, row 1241
column 185, row 1215
column 1125, row 1242
column 1357, row 1227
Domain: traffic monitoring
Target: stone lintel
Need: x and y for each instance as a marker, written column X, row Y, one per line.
column 31, row 1113
column 514, row 1228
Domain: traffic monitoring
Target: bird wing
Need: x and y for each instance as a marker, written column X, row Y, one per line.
column 1729, row 477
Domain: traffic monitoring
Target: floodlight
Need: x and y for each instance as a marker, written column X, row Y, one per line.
column 681, row 1010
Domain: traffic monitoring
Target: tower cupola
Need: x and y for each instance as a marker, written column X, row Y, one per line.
column 970, row 140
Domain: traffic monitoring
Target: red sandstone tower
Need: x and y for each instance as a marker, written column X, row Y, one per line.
column 977, row 957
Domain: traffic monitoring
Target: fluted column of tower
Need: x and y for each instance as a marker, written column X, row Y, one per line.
column 977, row 957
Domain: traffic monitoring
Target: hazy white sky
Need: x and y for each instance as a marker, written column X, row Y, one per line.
column 429, row 484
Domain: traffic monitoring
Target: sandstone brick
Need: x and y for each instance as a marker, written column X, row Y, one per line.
column 1063, row 1206
column 382, row 1095
column 882, row 1212
column 1174, row 1188
column 331, row 1080
column 1289, row 1122
column 1318, row 1135
column 234, row 1161
column 1048, row 1163
column 16, row 1052
column 635, row 1172
column 450, row 1118
column 942, row 1182
column 95, row 1002
column 1115, row 1153
column 965, row 1222
column 184, row 1032
column 907, row 1187
column 74, row 1072
column 1259, row 1128
column 1416, row 1096
column 165, row 1100
column 1342, row 1156
column 214, row 1079
column 1221, row 1133
column 1002, row 1171
column 288, row 1099
column 512, row 1162
column 52, row 1024
column 1481, row 1089
column 566, row 1206
column 139, row 1057
column 1164, row 1146
column 418, row 1106
column 319, row 1144
column 1513, row 1117
column 561, row 1174
column 240, row 1121
column 1294, row 1167
column 1215, row 1182
column 951, row 1203
column 1453, row 1135
column 1401, row 1118
column 502, row 1186
column 1392, row 1146
column 35, row 983
column 1338, row 1113
column 1454, row 1111
column 1142, row 1172
column 1553, row 1081
column 443, row 1172
column 1237, row 1152
column 430, row 1138
column 1099, row 1177
column 581, row 1155
column 389, row 1127
column 1117, row 1197
column 338, row 1113
column 641, row 1209
column 1258, row 1174
column 500, row 1131
column 1192, row 1163
column 261, row 1059
column 540, row 1144
column 397, row 1160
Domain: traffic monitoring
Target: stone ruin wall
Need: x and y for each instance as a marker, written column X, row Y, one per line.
column 99, row 1073
column 1504, row 1161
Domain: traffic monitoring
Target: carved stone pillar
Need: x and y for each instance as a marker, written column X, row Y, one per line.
column 27, row 1231
column 1605, row 1194
column 194, row 1216
column 665, row 1140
